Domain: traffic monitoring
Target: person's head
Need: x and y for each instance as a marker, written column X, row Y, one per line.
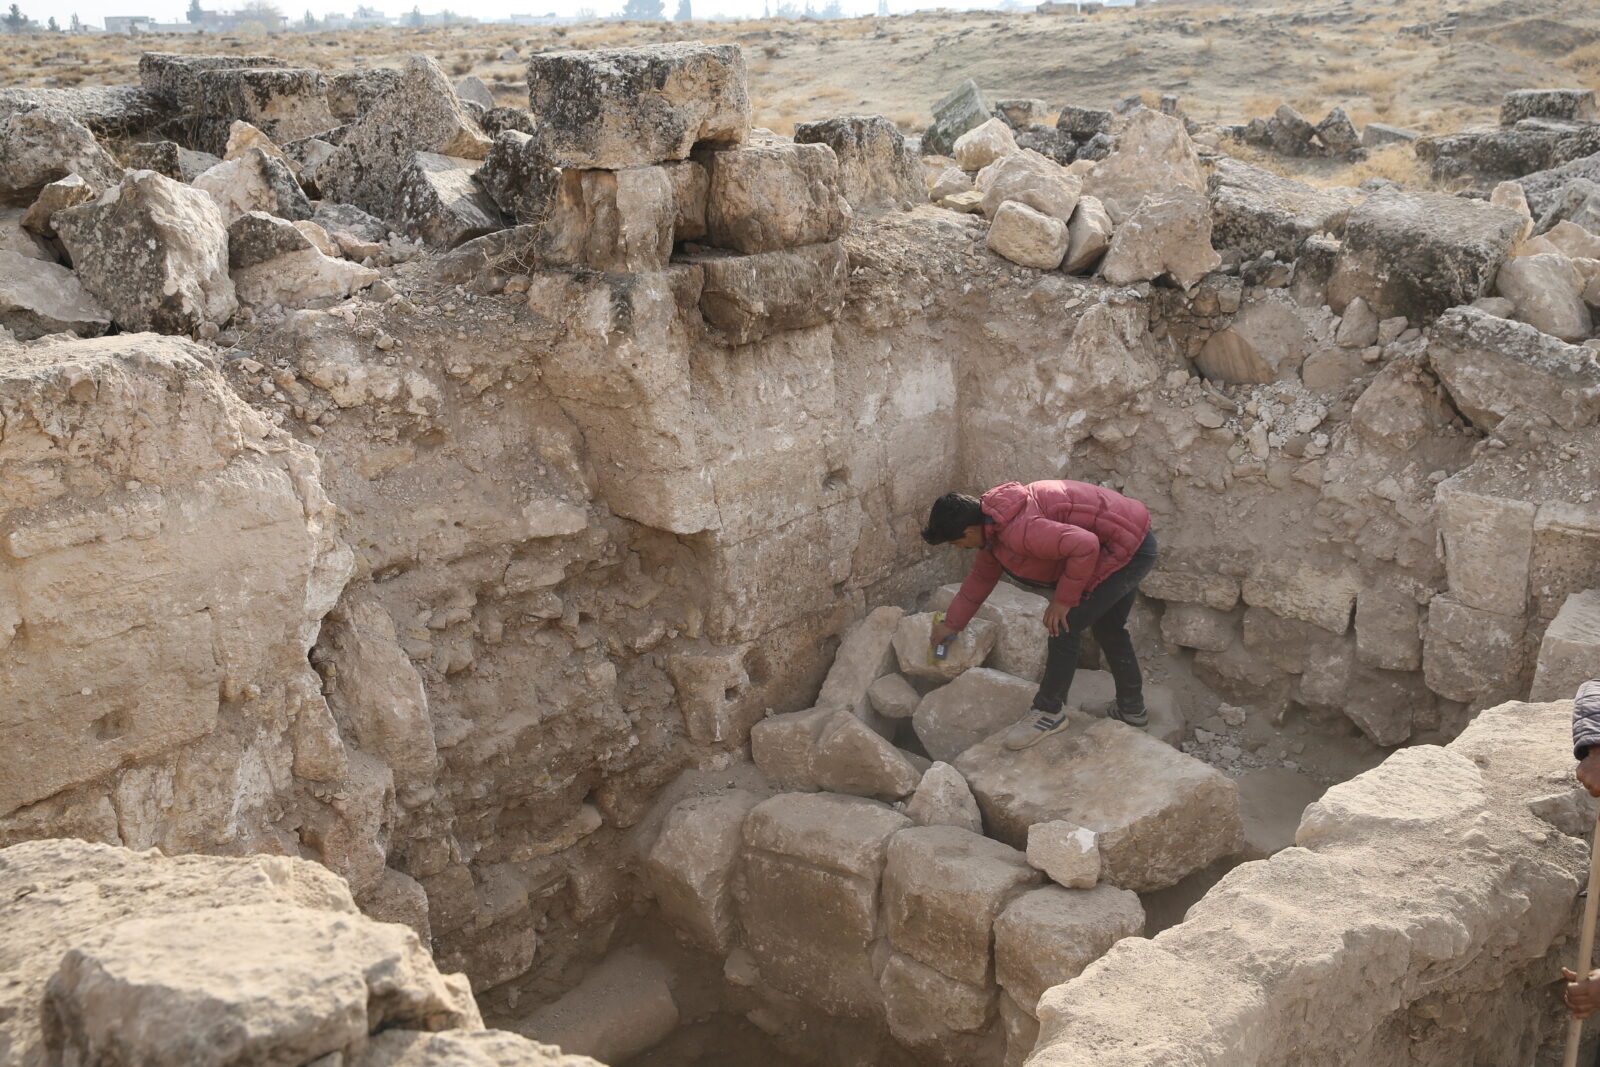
column 955, row 519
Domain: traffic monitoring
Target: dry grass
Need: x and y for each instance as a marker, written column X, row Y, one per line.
column 1398, row 163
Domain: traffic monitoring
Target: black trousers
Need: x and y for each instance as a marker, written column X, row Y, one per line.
column 1104, row 612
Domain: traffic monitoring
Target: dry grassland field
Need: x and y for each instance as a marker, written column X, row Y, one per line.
column 1227, row 63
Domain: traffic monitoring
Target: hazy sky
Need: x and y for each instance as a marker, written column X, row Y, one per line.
column 94, row 11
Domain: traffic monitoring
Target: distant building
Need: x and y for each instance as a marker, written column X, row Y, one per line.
column 171, row 27
column 129, row 23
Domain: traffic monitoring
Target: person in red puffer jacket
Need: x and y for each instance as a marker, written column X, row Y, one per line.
column 1084, row 547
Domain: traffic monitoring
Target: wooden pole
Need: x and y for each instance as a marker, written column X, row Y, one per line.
column 1591, row 905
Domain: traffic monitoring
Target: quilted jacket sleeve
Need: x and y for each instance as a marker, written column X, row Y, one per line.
column 979, row 583
column 1586, row 718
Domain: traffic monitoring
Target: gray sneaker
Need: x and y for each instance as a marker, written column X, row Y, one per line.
column 1110, row 709
column 1035, row 727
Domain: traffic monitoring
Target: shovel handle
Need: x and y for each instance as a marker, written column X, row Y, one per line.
column 1591, row 905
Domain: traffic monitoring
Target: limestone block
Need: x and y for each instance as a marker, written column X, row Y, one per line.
column 1256, row 211
column 1566, row 553
column 616, row 221
column 44, row 145
column 518, row 177
column 1573, row 240
column 1047, row 936
column 1509, row 195
column 1305, row 591
column 893, row 697
column 166, row 157
column 1415, row 789
column 461, row 1048
column 1326, row 676
column 351, row 221
column 704, row 683
column 949, row 182
column 962, row 110
column 1416, row 254
column 1281, row 642
column 1088, row 236
column 1472, row 655
column 627, row 107
column 1271, row 800
column 154, row 253
column 39, row 297
column 878, row 171
column 865, row 654
column 1028, row 178
column 1166, row 234
column 1488, row 545
column 441, row 202
column 420, row 114
column 20, row 241
column 954, row 717
column 691, row 185
column 807, row 855
column 1018, row 616
column 1215, row 591
column 1197, row 626
column 1548, row 293
column 774, row 197
column 1160, row 814
column 1570, row 649
column 1331, row 370
column 623, row 1006
column 285, row 104
column 850, row 757
column 943, row 799
column 783, row 745
column 1153, row 156
column 1021, row 1029
column 691, row 865
column 379, row 693
column 68, row 192
column 983, row 144
column 1401, row 407
column 1358, row 327
column 296, row 278
column 749, row 298
column 1573, row 105
column 942, row 888
column 968, row 649
column 254, row 181
column 924, row 1007
column 1069, row 855
column 175, row 76
column 1388, row 629
column 1266, row 341
column 1027, row 237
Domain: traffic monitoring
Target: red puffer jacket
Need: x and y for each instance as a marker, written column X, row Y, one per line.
column 1069, row 534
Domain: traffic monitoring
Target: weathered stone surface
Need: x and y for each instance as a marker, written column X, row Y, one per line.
column 1416, row 254
column 808, row 855
column 23, row 242
column 175, row 76
column 1088, row 236
column 347, row 219
column 1166, row 234
column 752, row 297
column 1028, row 178
column 1577, row 201
column 691, row 865
column 352, row 92
column 1153, row 156
column 1271, row 800
column 926, row 1008
column 1469, row 654
column 37, row 297
column 1027, row 237
column 623, row 1006
column 628, row 107
column 1021, row 1029
column 954, row 717
column 1160, row 814
column 942, row 888
column 285, row 104
column 970, row 648
column 983, row 145
column 1018, row 615
column 1494, row 367
column 893, row 697
column 1402, row 406
column 1266, row 341
column 1167, row 721
column 1547, row 291
column 154, row 253
column 519, row 178
column 1314, row 594
column 964, row 109
column 708, row 687
column 850, row 757
column 105, row 934
column 258, row 236
column 472, row 88
column 421, row 114
column 1378, row 134
column 949, row 182
column 774, row 197
column 1488, row 542
column 44, row 145
column 461, row 1048
column 1388, row 633
column 1215, row 591
column 865, row 654
column 783, row 745
column 254, row 181
column 1069, row 855
column 1048, row 935
column 1358, row 326
column 1574, row 105
column 1570, row 649
column 441, row 202
column 57, row 196
column 1256, row 211
column 297, row 278
column 1197, row 626
column 1337, row 133
column 943, row 799
column 877, row 169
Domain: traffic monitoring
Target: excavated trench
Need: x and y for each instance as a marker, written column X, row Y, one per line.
column 563, row 594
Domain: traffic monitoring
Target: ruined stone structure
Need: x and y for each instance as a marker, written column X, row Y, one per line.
column 518, row 515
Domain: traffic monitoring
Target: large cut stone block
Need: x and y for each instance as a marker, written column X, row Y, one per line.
column 627, row 107
column 1199, row 627
column 1167, row 234
column 774, row 197
column 175, row 76
column 45, row 145
column 1566, row 553
column 1488, row 546
column 690, row 867
column 942, row 888
column 1160, row 814
column 1311, row 593
column 846, row 835
column 1416, row 254
column 441, row 202
column 1569, row 655
column 878, row 171
column 964, row 109
column 1388, row 629
column 1018, row 615
column 286, row 105
column 1256, row 211
column 1471, row 655
column 850, row 757
column 1153, row 157
column 1215, row 591
column 966, row 650
column 38, row 297
column 752, row 297
column 1495, row 367
column 926, row 1008
column 954, row 717
column 865, row 655
column 254, row 181
column 1049, row 935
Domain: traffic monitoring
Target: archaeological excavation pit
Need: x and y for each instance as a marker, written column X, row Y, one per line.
column 461, row 589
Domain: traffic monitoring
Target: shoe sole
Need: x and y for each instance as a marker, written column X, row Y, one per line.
column 1035, row 736
column 1137, row 725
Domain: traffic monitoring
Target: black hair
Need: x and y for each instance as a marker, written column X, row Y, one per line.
column 950, row 516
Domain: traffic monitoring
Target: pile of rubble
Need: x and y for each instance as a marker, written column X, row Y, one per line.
column 1289, row 133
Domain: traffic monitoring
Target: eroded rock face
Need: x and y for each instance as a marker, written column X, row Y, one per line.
column 38, row 298
column 1153, row 155
column 772, row 198
column 44, row 145
column 1170, row 234
column 1494, row 367
column 751, row 297
column 154, row 253
column 628, row 107
column 1256, row 211
column 877, row 169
